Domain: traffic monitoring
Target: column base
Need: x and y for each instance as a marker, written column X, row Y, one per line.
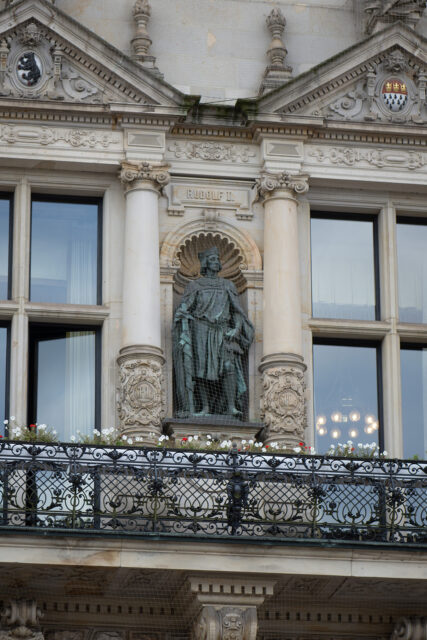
column 141, row 402
column 283, row 399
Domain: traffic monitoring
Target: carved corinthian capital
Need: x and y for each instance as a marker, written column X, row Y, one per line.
column 156, row 175
column 226, row 623
column 410, row 629
column 141, row 398
column 268, row 183
column 283, row 400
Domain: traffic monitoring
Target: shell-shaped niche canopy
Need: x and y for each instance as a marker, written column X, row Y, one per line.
column 189, row 265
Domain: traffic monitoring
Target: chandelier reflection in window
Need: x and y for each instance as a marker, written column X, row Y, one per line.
column 346, row 421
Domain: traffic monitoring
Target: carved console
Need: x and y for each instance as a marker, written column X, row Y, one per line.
column 410, row 629
column 20, row 621
column 228, row 607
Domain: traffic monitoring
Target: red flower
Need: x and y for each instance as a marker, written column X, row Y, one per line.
column 352, row 448
column 266, row 446
column 184, row 440
column 1, row 436
column 301, row 444
column 32, row 426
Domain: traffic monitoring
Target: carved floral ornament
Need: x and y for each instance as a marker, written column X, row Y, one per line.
column 157, row 175
column 283, row 403
column 227, row 623
column 141, row 395
column 269, row 183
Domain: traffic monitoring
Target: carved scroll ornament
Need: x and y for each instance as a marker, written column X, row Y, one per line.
column 268, row 183
column 141, row 396
column 283, row 404
column 158, row 175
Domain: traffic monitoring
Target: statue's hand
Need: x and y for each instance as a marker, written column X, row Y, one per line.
column 183, row 314
column 231, row 334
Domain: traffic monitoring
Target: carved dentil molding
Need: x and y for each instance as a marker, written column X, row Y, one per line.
column 141, row 400
column 268, row 183
column 410, row 629
column 226, row 623
column 157, row 175
column 283, row 404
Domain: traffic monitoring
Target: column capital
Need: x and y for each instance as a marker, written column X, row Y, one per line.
column 414, row 628
column 144, row 175
column 269, row 184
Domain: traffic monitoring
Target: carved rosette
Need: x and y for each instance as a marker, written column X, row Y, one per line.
column 141, row 396
column 283, row 404
column 157, row 175
column 268, row 183
column 410, row 629
column 226, row 623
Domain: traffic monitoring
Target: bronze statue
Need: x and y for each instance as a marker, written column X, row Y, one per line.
column 211, row 336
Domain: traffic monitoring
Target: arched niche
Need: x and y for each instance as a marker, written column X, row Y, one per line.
column 242, row 263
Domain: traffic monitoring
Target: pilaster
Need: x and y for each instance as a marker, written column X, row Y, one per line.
column 228, row 607
column 282, row 365
column 141, row 401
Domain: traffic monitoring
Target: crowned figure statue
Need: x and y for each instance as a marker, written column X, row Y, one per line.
column 211, row 337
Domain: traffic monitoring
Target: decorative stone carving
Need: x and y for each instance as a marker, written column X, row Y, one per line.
column 141, row 397
column 141, row 43
column 213, row 151
column 381, row 13
column 227, row 623
column 21, row 616
column 157, row 175
column 30, row 35
column 47, row 136
column 410, row 629
column 268, row 183
column 381, row 158
column 277, row 72
column 283, row 402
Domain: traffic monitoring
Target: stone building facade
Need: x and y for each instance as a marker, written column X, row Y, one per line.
column 241, row 124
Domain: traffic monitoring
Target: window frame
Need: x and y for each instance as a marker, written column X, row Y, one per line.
column 36, row 331
column 347, row 342
column 353, row 217
column 98, row 201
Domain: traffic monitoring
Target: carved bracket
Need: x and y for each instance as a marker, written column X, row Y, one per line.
column 410, row 629
column 227, row 623
column 21, row 616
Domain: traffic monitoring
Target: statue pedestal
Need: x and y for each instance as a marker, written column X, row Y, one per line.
column 218, row 426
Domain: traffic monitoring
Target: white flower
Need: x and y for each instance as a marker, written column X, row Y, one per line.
column 130, row 441
column 243, row 441
column 251, row 442
column 73, row 438
column 264, row 450
column 96, row 432
column 190, row 439
column 5, row 421
column 54, row 432
column 196, row 437
column 209, row 437
column 208, row 443
column 12, row 418
column 297, row 449
column 124, row 437
column 385, row 453
column 138, row 439
column 42, row 427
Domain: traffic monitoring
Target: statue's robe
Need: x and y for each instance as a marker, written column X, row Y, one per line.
column 201, row 351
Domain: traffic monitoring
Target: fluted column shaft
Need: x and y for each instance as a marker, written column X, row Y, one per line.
column 282, row 365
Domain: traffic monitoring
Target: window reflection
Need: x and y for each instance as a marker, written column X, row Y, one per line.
column 64, row 391
column 414, row 401
column 345, row 395
column 64, row 252
column 4, row 247
column 3, row 376
column 412, row 271
column 343, row 271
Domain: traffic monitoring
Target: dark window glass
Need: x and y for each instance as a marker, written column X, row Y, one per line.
column 65, row 252
column 4, row 341
column 343, row 268
column 5, row 241
column 412, row 270
column 345, row 394
column 64, row 390
column 414, row 401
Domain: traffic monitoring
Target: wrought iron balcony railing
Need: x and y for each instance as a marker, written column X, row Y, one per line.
column 217, row 495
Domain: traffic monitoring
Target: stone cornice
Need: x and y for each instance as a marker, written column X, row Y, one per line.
column 269, row 183
column 132, row 175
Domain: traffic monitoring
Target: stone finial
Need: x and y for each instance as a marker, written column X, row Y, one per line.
column 381, row 13
column 141, row 43
column 277, row 72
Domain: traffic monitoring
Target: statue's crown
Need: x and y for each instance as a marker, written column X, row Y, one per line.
column 213, row 251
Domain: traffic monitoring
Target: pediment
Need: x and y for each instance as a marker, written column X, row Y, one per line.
column 47, row 56
column 382, row 79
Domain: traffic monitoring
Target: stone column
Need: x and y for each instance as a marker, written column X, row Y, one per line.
column 410, row 629
column 282, row 365
column 228, row 607
column 141, row 400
